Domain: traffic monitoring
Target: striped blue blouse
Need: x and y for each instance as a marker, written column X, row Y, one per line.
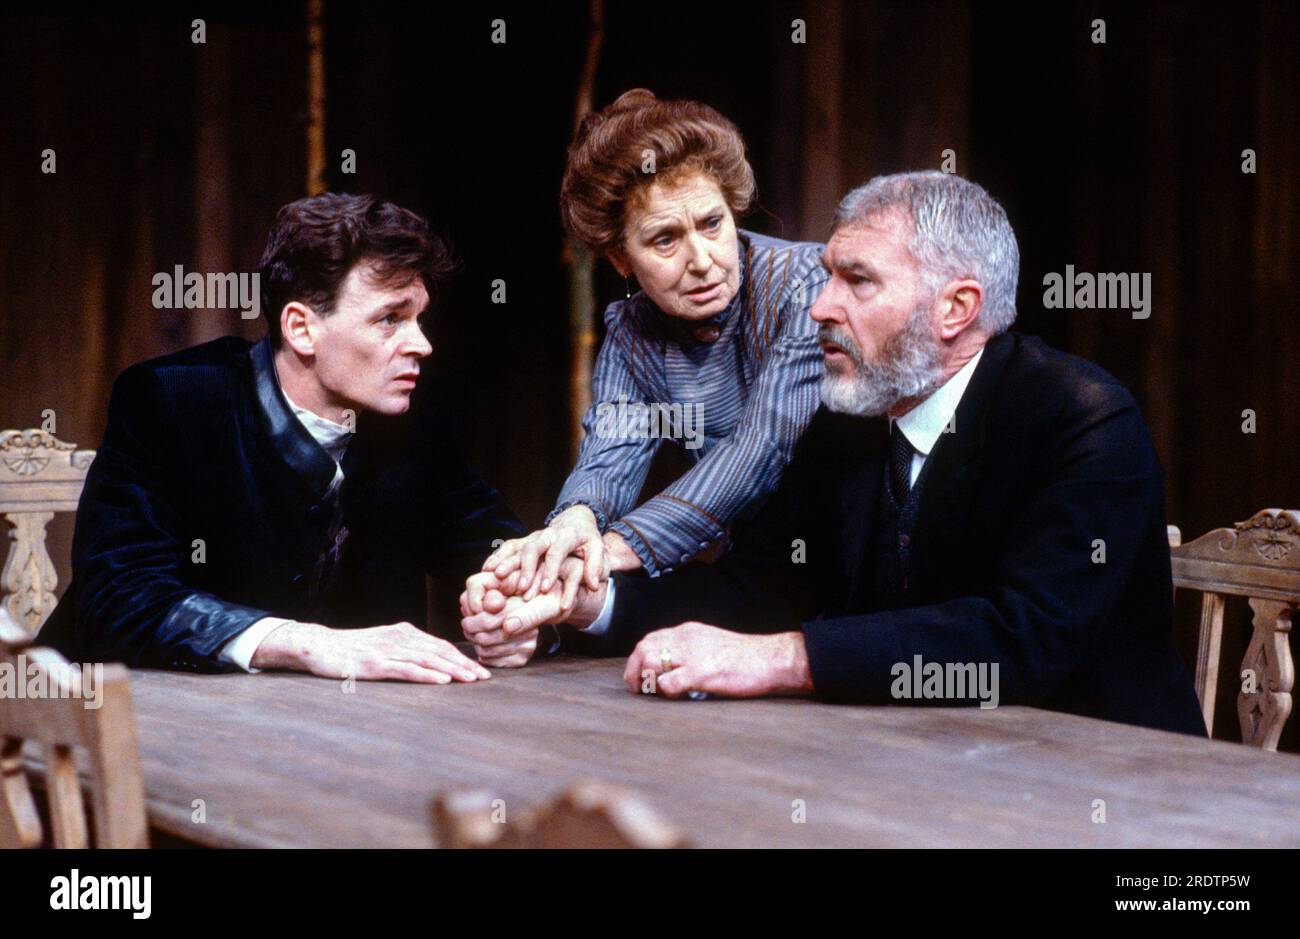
column 737, row 405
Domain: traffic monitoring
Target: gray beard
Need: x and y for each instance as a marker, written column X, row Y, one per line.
column 909, row 366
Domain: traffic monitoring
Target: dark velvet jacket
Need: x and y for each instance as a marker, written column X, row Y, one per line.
column 205, row 510
column 1048, row 459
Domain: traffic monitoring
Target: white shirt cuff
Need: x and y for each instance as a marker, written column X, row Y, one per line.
column 599, row 626
column 239, row 651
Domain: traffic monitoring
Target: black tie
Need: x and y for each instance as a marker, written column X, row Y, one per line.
column 900, row 464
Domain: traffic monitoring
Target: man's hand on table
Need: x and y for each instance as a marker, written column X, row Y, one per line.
column 503, row 627
column 720, row 662
column 400, row 652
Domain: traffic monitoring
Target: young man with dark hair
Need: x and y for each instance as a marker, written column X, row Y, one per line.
column 278, row 505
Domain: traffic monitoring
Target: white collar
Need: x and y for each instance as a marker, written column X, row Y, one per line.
column 924, row 423
column 333, row 438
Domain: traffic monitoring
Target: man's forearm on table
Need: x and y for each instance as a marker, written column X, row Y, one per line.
column 241, row 649
column 791, row 670
column 291, row 645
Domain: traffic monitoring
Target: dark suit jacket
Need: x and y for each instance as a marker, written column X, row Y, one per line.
column 201, row 446
column 1049, row 455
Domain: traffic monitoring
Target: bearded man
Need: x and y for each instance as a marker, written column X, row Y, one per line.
column 966, row 499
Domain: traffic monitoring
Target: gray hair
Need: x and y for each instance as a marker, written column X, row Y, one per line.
column 958, row 230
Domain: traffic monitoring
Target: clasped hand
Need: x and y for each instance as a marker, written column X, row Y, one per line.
column 531, row 581
column 560, row 575
column 503, row 620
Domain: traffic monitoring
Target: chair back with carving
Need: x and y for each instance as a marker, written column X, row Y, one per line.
column 1258, row 559
column 39, row 475
column 62, row 707
column 587, row 814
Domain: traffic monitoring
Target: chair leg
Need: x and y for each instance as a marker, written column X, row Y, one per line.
column 67, row 809
column 1268, row 674
column 1209, row 639
column 20, row 825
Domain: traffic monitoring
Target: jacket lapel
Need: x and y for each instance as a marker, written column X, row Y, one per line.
column 290, row 440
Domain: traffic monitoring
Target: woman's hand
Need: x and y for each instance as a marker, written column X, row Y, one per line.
column 537, row 557
column 504, row 627
column 618, row 555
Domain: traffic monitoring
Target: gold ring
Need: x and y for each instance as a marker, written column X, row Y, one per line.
column 666, row 660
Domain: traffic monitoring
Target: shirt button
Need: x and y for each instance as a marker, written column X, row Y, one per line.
column 708, row 333
column 904, row 540
column 703, row 545
column 685, row 558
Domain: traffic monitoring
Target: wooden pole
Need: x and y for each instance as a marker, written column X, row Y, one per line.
column 578, row 260
column 822, row 168
column 315, row 97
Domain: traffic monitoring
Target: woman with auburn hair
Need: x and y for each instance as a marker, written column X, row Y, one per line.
column 719, row 331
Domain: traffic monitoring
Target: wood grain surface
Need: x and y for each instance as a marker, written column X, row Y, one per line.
column 293, row 760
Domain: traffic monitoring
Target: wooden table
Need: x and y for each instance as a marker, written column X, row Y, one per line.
column 292, row 760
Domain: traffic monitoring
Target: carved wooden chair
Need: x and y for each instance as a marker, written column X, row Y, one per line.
column 1258, row 559
column 39, row 475
column 53, row 712
column 586, row 814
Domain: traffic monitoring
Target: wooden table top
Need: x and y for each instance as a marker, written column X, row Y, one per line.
column 292, row 760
